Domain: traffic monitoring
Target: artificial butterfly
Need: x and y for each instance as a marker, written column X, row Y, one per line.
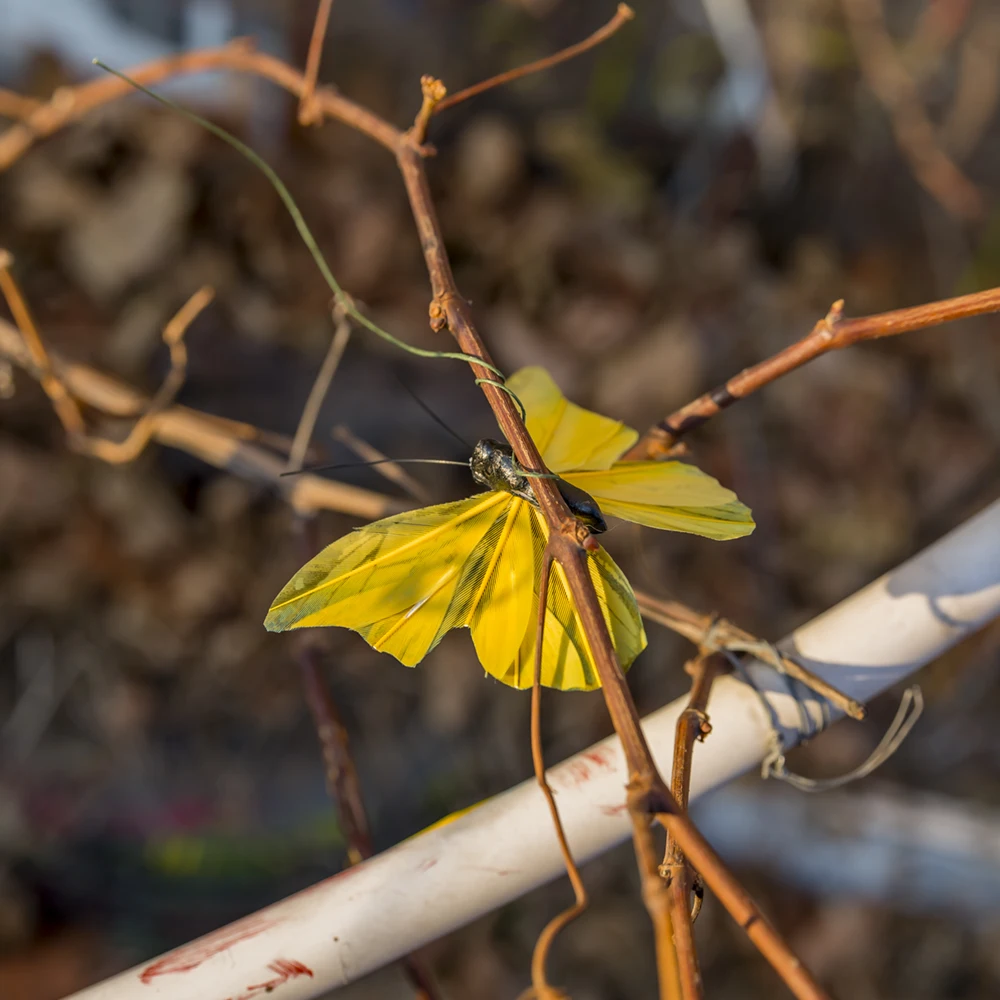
column 404, row 581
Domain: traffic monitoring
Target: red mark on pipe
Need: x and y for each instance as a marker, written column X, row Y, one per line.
column 190, row 956
column 426, row 866
column 579, row 770
column 614, row 810
column 283, row 969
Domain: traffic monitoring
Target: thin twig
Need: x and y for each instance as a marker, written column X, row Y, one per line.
column 832, row 333
column 341, row 774
column 623, row 14
column 741, row 907
column 539, row 983
column 309, row 113
column 692, row 725
column 314, row 401
column 65, row 407
column 724, row 634
column 223, row 443
column 896, row 90
column 390, row 470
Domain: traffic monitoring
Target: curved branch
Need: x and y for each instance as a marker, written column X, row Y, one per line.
column 831, row 333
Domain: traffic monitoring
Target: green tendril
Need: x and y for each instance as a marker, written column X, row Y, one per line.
column 500, row 385
column 531, row 474
column 343, row 299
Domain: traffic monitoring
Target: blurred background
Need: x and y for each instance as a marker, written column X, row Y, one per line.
column 644, row 221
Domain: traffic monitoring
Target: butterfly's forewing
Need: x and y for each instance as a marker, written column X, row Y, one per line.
column 567, row 435
column 670, row 495
column 566, row 660
column 401, row 582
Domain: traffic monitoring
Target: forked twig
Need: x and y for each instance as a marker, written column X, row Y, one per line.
column 623, row 15
column 832, row 333
column 309, row 113
column 66, row 407
column 226, row 444
column 709, row 633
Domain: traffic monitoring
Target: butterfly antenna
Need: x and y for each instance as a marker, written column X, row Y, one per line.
column 438, row 420
column 377, row 461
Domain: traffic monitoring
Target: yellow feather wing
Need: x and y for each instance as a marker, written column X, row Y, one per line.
column 401, row 582
column 670, row 495
column 502, row 607
column 566, row 660
column 567, row 435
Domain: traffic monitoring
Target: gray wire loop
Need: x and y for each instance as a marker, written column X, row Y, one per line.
column 911, row 705
column 774, row 764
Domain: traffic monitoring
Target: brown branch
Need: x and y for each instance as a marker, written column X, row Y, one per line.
column 309, row 113
column 225, row 444
column 741, row 907
column 832, row 333
column 623, row 15
column 692, row 725
column 656, row 897
column 344, row 786
column 895, row 89
column 66, row 409
column 69, row 104
column 341, row 775
column 724, row 634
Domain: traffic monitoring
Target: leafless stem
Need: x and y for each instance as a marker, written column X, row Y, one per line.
column 832, row 333
column 623, row 15
column 314, row 401
column 309, row 114
column 724, row 634
column 341, row 773
column 65, row 406
column 692, row 725
column 226, row 444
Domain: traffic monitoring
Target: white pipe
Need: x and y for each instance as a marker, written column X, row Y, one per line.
column 367, row 916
